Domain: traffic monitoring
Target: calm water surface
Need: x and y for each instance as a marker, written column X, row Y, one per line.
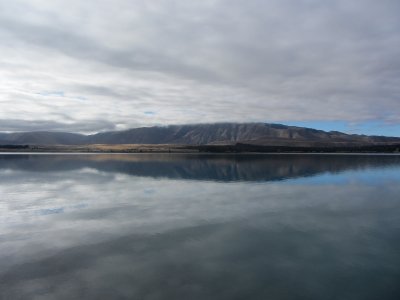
column 199, row 227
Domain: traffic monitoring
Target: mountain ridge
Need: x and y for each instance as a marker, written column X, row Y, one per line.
column 270, row 134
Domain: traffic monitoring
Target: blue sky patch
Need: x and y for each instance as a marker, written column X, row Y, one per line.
column 368, row 128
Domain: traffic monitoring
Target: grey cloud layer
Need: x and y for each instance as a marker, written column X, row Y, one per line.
column 199, row 61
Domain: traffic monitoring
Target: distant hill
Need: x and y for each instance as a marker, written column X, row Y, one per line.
column 204, row 134
column 42, row 138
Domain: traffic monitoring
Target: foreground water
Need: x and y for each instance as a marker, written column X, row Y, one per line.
column 199, row 227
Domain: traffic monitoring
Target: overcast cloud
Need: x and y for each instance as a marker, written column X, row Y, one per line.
column 98, row 65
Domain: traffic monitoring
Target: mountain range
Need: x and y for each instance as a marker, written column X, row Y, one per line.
column 203, row 134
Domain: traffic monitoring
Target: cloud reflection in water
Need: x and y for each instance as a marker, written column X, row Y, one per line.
column 102, row 227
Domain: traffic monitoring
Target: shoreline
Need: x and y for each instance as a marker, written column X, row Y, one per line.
column 199, row 149
column 200, row 153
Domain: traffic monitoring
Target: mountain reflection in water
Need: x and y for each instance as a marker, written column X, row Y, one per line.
column 199, row 227
column 202, row 167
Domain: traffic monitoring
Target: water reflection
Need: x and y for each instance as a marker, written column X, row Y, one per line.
column 202, row 167
column 118, row 227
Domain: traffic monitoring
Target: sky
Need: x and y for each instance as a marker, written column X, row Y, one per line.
column 96, row 65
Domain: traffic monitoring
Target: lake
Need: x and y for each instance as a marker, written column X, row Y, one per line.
column 170, row 226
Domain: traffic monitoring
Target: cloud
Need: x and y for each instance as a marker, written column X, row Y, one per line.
column 74, row 126
column 214, row 60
